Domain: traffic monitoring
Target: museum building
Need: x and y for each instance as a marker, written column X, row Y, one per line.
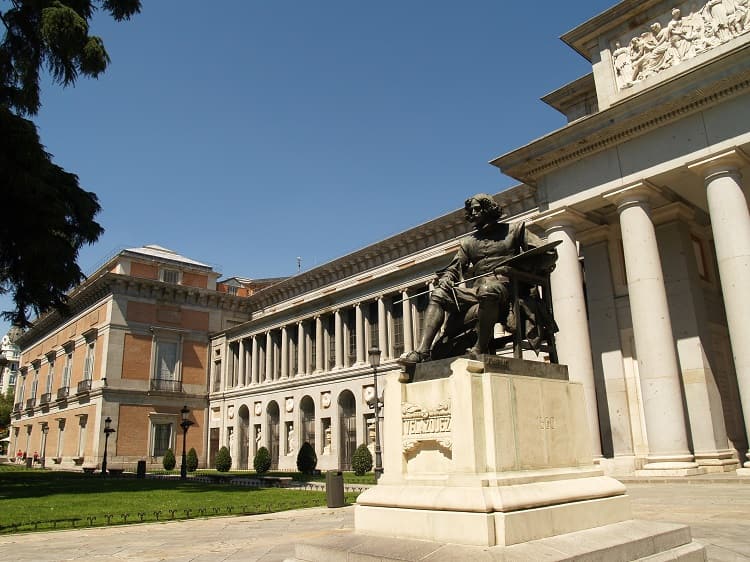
column 645, row 189
column 133, row 350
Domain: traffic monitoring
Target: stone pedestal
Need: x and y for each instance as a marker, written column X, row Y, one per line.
column 489, row 453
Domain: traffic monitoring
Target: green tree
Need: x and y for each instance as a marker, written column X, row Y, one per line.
column 169, row 461
column 262, row 461
column 223, row 460
column 192, row 460
column 6, row 407
column 39, row 248
column 362, row 460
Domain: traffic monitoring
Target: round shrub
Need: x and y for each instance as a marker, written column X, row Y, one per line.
column 362, row 460
column 192, row 460
column 307, row 460
column 223, row 460
column 262, row 461
column 169, row 460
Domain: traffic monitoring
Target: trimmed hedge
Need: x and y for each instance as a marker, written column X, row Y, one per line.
column 362, row 460
column 262, row 461
column 223, row 460
column 307, row 460
column 169, row 461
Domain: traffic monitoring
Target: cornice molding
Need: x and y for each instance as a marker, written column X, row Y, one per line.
column 631, row 118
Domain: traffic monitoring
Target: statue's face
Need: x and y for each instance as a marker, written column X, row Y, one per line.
column 478, row 215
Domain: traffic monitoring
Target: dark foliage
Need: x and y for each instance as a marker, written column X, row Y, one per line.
column 192, row 460
column 362, row 460
column 262, row 461
column 169, row 461
column 53, row 216
column 223, row 460
column 307, row 460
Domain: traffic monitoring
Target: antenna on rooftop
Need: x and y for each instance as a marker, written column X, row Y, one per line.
column 299, row 264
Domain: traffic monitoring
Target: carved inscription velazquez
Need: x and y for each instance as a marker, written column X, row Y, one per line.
column 420, row 424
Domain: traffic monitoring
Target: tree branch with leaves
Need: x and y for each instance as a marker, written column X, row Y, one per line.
column 48, row 216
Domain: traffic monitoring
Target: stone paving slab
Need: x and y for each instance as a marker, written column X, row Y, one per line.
column 718, row 514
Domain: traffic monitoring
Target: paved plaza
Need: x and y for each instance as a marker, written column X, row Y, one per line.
column 717, row 510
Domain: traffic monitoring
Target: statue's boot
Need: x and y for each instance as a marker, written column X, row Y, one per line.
column 433, row 320
column 488, row 314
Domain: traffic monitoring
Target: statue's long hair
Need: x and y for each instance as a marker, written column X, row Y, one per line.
column 487, row 203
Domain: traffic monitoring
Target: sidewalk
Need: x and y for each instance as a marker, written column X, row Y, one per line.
column 717, row 510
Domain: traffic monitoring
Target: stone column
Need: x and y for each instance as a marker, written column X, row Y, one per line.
column 730, row 222
column 339, row 336
column 652, row 330
column 408, row 328
column 241, row 367
column 569, row 305
column 301, row 369
column 319, row 343
column 382, row 330
column 359, row 326
column 254, row 361
column 284, row 353
column 269, row 356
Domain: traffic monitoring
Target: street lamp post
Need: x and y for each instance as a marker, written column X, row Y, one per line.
column 108, row 430
column 185, row 425
column 374, row 354
column 45, row 431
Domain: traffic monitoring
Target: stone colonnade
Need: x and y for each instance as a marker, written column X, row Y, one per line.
column 659, row 360
column 334, row 340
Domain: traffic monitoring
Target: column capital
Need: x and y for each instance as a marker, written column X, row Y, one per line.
column 725, row 162
column 641, row 191
column 564, row 217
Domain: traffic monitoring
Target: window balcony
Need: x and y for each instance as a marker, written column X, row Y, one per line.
column 17, row 406
column 84, row 386
column 45, row 398
column 30, row 403
column 166, row 385
column 63, row 393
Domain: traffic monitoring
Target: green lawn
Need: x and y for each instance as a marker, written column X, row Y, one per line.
column 38, row 499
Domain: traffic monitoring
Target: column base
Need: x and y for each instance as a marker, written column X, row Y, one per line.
column 743, row 471
column 657, row 469
column 718, row 465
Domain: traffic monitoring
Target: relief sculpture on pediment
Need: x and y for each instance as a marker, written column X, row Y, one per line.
column 688, row 30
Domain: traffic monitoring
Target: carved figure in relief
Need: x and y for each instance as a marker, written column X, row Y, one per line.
column 480, row 254
column 680, row 36
column 680, row 39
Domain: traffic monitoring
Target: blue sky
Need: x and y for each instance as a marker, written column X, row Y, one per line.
column 245, row 133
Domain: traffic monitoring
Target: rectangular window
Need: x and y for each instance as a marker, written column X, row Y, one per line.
column 88, row 363
column 700, row 258
column 162, row 439
column 169, row 276
column 216, row 385
column 351, row 329
column 166, row 360
column 67, row 367
column 397, row 324
column 13, row 374
column 50, row 375
column 231, row 290
column 372, row 320
column 34, row 384
column 81, row 436
column 313, row 361
column 331, row 342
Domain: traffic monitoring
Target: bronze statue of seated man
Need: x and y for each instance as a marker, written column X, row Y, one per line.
column 467, row 314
